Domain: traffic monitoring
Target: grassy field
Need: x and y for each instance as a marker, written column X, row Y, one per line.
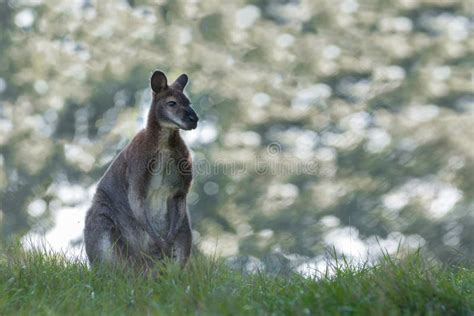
column 46, row 283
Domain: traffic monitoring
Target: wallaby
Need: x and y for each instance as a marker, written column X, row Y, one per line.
column 139, row 211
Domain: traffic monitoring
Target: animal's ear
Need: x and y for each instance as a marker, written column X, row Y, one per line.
column 181, row 82
column 158, row 81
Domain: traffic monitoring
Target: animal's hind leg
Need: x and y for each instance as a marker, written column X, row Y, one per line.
column 100, row 239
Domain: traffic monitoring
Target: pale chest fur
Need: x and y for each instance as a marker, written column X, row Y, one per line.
column 164, row 183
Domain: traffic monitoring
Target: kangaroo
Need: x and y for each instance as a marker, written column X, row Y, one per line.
column 139, row 211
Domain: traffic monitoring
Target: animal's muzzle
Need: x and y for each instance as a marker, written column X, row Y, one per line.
column 191, row 116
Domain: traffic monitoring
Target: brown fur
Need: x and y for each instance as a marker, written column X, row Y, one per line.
column 139, row 211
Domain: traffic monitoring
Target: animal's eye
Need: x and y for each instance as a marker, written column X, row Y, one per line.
column 171, row 103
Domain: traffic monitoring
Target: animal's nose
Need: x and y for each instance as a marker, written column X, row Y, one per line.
column 193, row 118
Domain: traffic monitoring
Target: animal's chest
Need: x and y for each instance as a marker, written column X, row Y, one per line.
column 164, row 182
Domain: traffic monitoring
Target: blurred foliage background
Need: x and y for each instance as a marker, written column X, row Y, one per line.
column 345, row 123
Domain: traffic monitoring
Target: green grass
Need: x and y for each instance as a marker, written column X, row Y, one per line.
column 39, row 282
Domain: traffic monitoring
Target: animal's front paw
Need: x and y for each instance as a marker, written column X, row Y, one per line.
column 171, row 250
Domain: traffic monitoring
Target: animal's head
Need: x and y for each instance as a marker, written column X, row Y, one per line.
column 172, row 108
